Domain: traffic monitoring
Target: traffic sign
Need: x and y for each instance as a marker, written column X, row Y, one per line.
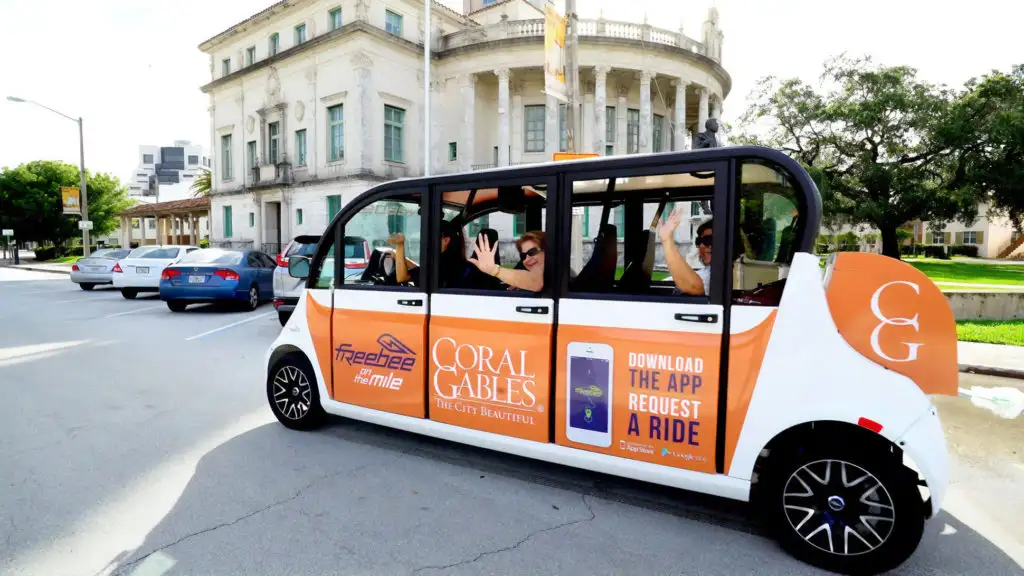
column 85, row 225
column 8, row 232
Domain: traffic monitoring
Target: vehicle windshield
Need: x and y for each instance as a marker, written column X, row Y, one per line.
column 213, row 256
column 138, row 252
column 105, row 253
column 160, row 253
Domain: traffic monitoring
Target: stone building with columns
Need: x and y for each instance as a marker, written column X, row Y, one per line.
column 314, row 101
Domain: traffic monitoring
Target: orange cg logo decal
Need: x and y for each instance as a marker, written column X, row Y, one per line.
column 886, row 321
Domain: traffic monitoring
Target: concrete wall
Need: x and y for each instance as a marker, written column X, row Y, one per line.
column 986, row 305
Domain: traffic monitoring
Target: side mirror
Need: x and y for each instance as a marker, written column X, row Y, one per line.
column 298, row 267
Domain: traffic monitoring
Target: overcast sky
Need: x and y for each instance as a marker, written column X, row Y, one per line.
column 132, row 68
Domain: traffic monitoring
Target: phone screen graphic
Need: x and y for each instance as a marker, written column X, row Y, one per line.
column 588, row 394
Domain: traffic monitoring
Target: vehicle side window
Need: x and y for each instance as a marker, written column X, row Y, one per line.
column 323, row 271
column 769, row 221
column 264, row 260
column 377, row 236
column 643, row 236
column 253, row 261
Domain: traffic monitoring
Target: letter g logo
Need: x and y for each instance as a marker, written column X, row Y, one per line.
column 886, row 321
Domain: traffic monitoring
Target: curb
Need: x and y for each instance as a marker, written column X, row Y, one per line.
column 993, row 371
column 36, row 269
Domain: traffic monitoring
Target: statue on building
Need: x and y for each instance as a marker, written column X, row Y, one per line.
column 713, row 36
column 707, row 138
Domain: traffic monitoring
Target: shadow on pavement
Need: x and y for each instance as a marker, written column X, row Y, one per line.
column 355, row 498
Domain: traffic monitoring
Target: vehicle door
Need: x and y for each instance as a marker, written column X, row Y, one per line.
column 490, row 346
column 266, row 271
column 253, row 270
column 380, row 322
column 638, row 361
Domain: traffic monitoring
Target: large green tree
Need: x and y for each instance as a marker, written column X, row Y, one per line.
column 30, row 201
column 868, row 134
column 201, row 185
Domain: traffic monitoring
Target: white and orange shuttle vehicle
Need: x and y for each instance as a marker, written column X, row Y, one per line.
column 803, row 390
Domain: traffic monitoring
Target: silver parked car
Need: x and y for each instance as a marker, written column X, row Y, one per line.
column 98, row 268
column 287, row 290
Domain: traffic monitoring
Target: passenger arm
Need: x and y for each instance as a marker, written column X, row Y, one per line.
column 684, row 277
column 532, row 280
column 401, row 264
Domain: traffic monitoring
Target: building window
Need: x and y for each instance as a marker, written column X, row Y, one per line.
column 225, row 66
column 586, row 222
column 476, row 226
column 298, row 216
column 333, row 206
column 518, row 224
column 971, row 237
column 300, row 147
column 193, row 160
column 335, row 18
column 250, row 154
column 393, row 23
column 146, row 159
column 252, row 219
column 534, row 120
column 274, row 45
column 489, row 2
column 394, row 121
column 609, row 131
column 225, row 151
column 336, row 132
column 250, row 55
column 274, row 138
column 659, row 134
column 563, row 137
column 152, row 224
column 632, row 131
column 300, row 34
column 620, row 221
column 453, row 151
column 227, row 222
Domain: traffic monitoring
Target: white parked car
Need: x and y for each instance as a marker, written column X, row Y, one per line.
column 287, row 290
column 140, row 271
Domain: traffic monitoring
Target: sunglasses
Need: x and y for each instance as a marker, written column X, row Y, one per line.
column 531, row 252
column 706, row 240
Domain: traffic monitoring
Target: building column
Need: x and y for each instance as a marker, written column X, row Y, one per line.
column 517, row 123
column 646, row 114
column 258, row 222
column 504, row 144
column 438, row 157
column 600, row 106
column 702, row 109
column 551, row 131
column 621, row 121
column 467, row 85
column 679, row 124
column 716, row 108
column 586, row 141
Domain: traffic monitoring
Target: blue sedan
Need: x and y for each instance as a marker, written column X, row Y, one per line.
column 215, row 275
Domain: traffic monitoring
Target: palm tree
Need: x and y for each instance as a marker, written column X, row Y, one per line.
column 201, row 185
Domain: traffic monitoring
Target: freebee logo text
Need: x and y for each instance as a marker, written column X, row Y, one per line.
column 393, row 355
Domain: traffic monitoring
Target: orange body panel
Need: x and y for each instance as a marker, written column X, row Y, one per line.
column 896, row 316
column 491, row 376
column 319, row 319
column 746, row 354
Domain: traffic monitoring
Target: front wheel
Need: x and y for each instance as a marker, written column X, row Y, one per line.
column 293, row 395
column 129, row 293
column 844, row 509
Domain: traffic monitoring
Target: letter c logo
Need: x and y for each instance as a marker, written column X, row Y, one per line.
column 886, row 321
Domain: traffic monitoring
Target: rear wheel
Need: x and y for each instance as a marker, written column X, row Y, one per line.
column 293, row 395
column 176, row 306
column 129, row 293
column 254, row 298
column 87, row 286
column 844, row 509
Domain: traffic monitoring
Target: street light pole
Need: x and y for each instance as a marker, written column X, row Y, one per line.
column 81, row 153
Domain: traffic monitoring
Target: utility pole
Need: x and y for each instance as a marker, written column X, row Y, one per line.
column 572, row 121
column 426, row 87
column 85, row 198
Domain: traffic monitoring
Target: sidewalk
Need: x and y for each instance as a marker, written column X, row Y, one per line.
column 991, row 359
column 28, row 262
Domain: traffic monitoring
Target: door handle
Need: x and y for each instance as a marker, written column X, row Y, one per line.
column 701, row 318
column 410, row 302
column 532, row 309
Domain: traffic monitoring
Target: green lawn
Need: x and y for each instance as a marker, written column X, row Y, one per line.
column 1009, row 332
column 971, row 272
column 66, row 260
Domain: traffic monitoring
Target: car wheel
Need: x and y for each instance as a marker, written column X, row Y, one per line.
column 844, row 509
column 293, row 395
column 176, row 306
column 254, row 298
column 283, row 317
column 86, row 286
column 129, row 293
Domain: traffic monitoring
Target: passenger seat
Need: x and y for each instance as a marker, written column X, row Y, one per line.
column 598, row 274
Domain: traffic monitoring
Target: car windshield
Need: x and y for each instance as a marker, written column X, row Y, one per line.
column 213, row 256
column 105, row 253
column 138, row 252
column 160, row 253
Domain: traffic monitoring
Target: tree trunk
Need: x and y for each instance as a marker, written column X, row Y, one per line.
column 890, row 242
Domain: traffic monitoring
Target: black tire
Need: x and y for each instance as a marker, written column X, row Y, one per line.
column 129, row 293
column 293, row 395
column 87, row 286
column 254, row 298
column 176, row 306
column 283, row 317
column 793, row 496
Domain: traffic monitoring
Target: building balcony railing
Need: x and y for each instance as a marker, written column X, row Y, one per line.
column 232, row 244
column 600, row 28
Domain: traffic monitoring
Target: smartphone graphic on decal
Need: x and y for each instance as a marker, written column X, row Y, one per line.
column 589, row 394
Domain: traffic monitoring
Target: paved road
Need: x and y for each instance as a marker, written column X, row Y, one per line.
column 137, row 441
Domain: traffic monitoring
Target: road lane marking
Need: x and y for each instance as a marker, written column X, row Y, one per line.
column 232, row 325
column 130, row 312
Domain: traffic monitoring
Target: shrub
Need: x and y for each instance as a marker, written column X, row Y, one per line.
column 44, row 253
column 204, row 243
column 940, row 251
column 965, row 250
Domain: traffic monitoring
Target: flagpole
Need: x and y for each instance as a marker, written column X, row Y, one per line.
column 426, row 86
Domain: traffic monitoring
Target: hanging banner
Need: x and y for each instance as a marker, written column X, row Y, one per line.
column 554, row 54
column 71, row 200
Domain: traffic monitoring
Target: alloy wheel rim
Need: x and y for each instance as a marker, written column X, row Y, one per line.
column 838, row 507
column 253, row 298
column 292, row 393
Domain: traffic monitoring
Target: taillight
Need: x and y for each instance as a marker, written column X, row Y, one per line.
column 277, row 304
column 355, row 264
column 117, row 268
column 74, row 267
column 169, row 273
column 226, row 274
column 282, row 261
